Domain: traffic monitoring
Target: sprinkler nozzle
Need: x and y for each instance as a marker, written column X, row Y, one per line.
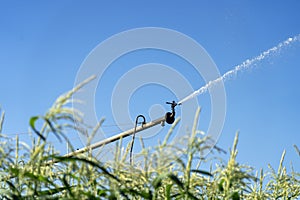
column 173, row 104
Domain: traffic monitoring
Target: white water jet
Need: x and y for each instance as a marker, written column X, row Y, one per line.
column 241, row 67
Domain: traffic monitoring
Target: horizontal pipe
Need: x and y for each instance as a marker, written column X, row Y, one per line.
column 117, row 137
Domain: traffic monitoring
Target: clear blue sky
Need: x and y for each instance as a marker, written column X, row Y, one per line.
column 42, row 45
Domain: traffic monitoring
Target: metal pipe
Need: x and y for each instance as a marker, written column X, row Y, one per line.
column 117, row 137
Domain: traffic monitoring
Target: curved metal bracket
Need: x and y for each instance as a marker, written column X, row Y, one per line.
column 137, row 118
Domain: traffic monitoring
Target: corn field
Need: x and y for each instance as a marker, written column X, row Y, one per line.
column 39, row 171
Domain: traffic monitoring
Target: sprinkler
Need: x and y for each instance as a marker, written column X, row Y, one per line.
column 170, row 116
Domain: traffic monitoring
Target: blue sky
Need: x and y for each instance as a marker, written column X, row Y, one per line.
column 42, row 46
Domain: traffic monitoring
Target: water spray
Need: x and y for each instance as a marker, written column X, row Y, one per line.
column 241, row 67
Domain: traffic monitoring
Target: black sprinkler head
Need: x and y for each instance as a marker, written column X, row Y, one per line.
column 170, row 116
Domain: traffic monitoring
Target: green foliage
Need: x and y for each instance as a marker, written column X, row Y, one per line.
column 166, row 171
